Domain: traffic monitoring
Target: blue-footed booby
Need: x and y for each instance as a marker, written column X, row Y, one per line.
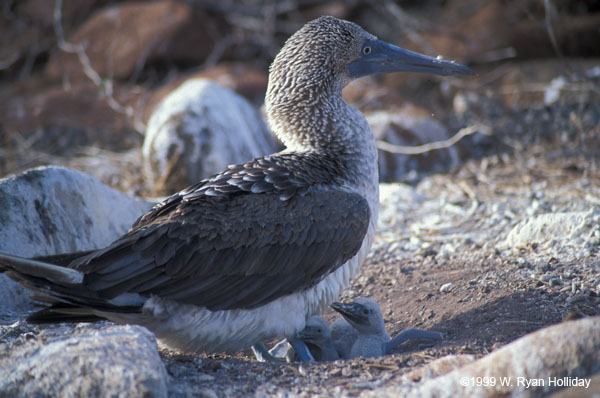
column 365, row 316
column 254, row 251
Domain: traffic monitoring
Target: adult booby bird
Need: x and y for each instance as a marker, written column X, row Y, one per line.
column 252, row 252
column 365, row 316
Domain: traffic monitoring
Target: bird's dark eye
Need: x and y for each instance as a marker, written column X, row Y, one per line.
column 366, row 50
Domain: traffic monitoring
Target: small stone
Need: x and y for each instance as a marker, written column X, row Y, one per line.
column 347, row 372
column 335, row 372
column 204, row 377
column 208, row 393
column 555, row 282
column 302, row 370
column 446, row 287
column 575, row 299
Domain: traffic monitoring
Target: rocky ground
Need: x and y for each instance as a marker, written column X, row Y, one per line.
column 444, row 259
column 441, row 262
column 486, row 242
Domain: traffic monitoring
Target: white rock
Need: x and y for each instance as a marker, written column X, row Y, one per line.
column 89, row 361
column 446, row 287
column 394, row 200
column 197, row 131
column 557, row 231
column 552, row 92
column 50, row 210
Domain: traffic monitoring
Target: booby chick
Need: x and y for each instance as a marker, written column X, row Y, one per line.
column 317, row 337
column 252, row 252
column 343, row 336
column 365, row 316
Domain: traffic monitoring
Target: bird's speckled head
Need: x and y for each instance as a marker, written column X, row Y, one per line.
column 304, row 97
column 317, row 55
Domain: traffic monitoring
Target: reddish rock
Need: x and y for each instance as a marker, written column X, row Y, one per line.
column 369, row 94
column 27, row 31
column 249, row 82
column 486, row 31
column 121, row 38
column 41, row 12
column 79, row 114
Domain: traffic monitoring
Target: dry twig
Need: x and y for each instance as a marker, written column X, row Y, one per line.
column 432, row 146
column 548, row 24
column 106, row 85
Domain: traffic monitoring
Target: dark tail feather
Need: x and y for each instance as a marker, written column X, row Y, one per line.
column 64, row 259
column 27, row 267
column 61, row 312
column 62, row 287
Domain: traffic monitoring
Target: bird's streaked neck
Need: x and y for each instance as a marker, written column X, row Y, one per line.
column 310, row 117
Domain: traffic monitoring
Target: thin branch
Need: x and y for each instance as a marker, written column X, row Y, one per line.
column 548, row 24
column 407, row 24
column 432, row 146
column 11, row 59
column 106, row 85
column 550, row 30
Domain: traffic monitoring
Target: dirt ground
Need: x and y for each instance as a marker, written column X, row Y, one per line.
column 440, row 260
column 496, row 295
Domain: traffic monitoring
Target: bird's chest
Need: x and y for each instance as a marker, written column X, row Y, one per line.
column 368, row 347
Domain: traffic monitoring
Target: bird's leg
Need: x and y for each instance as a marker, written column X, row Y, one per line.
column 262, row 354
column 408, row 334
column 301, row 349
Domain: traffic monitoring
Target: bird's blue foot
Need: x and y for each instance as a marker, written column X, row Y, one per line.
column 262, row 354
column 301, row 350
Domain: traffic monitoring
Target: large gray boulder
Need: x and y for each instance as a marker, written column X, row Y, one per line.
column 50, row 210
column 540, row 362
column 83, row 360
column 197, row 131
column 569, row 235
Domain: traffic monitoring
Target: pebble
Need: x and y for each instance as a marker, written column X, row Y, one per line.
column 555, row 282
column 446, row 287
column 576, row 299
column 302, row 370
column 347, row 372
column 204, row 377
column 208, row 393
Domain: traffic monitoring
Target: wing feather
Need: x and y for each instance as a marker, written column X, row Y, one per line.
column 238, row 252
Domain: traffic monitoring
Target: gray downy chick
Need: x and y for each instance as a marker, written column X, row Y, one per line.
column 343, row 335
column 317, row 336
column 365, row 316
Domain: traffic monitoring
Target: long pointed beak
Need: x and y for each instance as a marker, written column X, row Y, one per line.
column 381, row 57
column 353, row 312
